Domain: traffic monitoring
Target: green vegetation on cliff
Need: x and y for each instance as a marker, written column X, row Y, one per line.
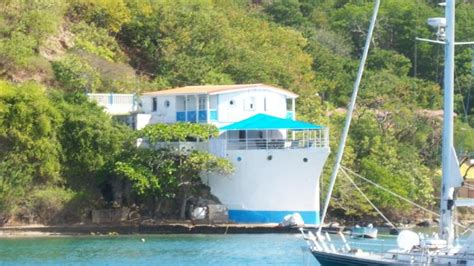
column 59, row 153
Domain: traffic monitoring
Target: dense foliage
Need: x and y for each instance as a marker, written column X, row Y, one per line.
column 58, row 151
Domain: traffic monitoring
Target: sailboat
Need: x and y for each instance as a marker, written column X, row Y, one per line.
column 442, row 249
column 368, row 231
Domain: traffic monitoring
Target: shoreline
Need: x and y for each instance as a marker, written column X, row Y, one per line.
column 162, row 228
column 142, row 229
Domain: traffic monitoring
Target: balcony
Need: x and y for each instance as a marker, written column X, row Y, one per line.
column 272, row 144
column 190, row 116
column 115, row 104
column 184, row 147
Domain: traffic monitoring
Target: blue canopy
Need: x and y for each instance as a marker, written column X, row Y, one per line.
column 268, row 122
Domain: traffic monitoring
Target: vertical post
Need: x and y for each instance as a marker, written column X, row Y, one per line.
column 468, row 102
column 446, row 225
column 305, row 136
column 266, row 139
column 208, row 106
column 246, row 141
column 326, row 137
column 293, row 108
column 350, row 110
column 197, row 108
column 185, row 108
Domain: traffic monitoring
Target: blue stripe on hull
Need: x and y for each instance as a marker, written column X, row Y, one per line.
column 241, row 216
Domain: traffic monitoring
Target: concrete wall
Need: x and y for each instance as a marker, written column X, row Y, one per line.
column 110, row 215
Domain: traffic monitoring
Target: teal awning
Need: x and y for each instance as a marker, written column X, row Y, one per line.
column 268, row 122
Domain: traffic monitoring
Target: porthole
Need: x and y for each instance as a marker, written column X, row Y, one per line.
column 231, row 102
column 305, row 160
column 167, row 103
column 239, row 159
column 269, row 157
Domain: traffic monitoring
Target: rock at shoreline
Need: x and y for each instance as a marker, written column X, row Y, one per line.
column 425, row 223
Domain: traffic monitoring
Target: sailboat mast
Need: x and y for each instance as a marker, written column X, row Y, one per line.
column 350, row 110
column 447, row 189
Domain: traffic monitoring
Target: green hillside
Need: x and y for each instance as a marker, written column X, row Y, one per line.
column 60, row 155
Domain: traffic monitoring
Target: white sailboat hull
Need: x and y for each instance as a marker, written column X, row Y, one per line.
column 269, row 184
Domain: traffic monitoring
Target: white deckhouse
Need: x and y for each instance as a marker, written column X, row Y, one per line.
column 278, row 160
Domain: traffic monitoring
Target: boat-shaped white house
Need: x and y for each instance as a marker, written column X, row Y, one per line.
column 278, row 160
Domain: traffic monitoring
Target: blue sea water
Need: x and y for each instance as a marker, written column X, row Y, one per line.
column 240, row 249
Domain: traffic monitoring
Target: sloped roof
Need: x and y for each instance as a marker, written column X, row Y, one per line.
column 268, row 122
column 218, row 89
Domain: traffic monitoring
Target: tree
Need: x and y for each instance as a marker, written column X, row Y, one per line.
column 158, row 174
column 76, row 75
column 30, row 149
column 200, row 43
column 286, row 12
column 109, row 14
column 97, row 41
column 89, row 138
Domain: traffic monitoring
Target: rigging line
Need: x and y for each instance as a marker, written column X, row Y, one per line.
column 465, row 231
column 400, row 197
column 350, row 110
column 415, row 59
column 468, row 186
column 437, row 65
column 415, row 56
column 366, row 198
column 394, row 194
column 468, row 104
column 462, row 96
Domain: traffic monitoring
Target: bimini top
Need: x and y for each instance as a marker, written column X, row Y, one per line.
column 268, row 122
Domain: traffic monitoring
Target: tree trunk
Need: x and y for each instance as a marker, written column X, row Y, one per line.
column 184, row 202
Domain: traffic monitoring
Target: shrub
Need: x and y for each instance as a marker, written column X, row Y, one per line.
column 47, row 203
column 75, row 75
column 58, row 205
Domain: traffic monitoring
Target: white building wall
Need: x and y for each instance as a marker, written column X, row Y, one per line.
column 264, row 101
column 142, row 120
column 214, row 101
column 164, row 113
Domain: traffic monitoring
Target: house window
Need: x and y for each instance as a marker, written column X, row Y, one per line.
column 167, row 103
column 249, row 104
column 154, row 106
column 202, row 103
column 289, row 104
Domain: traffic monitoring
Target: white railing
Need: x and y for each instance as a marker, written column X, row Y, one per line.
column 270, row 144
column 115, row 104
column 177, row 146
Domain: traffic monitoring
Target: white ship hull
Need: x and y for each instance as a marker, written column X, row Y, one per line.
column 271, row 183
